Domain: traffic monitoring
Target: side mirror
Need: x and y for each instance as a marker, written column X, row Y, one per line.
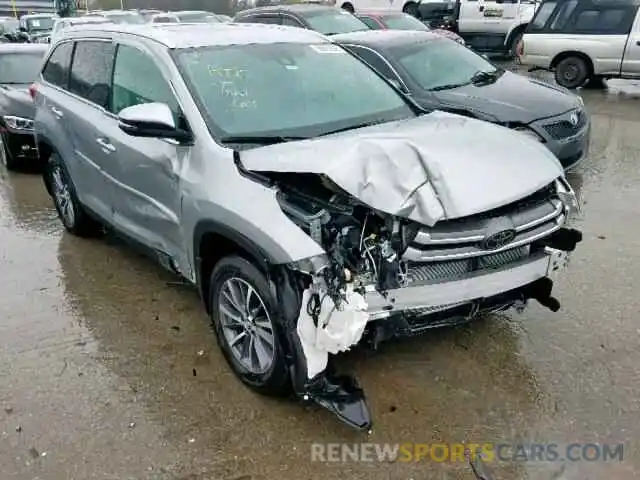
column 151, row 120
column 22, row 29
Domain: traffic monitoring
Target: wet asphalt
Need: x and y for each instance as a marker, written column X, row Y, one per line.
column 108, row 370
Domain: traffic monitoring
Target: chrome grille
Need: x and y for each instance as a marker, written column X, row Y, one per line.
column 422, row 273
column 461, row 239
column 564, row 128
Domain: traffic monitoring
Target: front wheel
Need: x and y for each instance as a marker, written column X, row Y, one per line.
column 348, row 7
column 73, row 216
column 572, row 72
column 243, row 314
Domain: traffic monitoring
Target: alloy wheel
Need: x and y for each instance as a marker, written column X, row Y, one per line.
column 62, row 196
column 246, row 325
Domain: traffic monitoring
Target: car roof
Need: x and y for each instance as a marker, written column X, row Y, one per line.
column 298, row 8
column 85, row 20
column 193, row 35
column 39, row 15
column 23, row 47
column 385, row 38
column 186, row 12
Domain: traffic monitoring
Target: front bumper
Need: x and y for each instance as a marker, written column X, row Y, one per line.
column 21, row 145
column 438, row 296
column 570, row 150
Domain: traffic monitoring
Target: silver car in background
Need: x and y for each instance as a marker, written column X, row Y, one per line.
column 312, row 215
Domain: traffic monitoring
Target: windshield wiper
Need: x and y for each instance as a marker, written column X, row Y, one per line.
column 482, row 77
column 449, row 86
column 258, row 140
column 353, row 127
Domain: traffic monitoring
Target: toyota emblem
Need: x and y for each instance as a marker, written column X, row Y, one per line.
column 574, row 119
column 498, row 239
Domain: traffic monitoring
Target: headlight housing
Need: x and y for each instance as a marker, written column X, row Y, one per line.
column 18, row 123
column 530, row 133
column 568, row 196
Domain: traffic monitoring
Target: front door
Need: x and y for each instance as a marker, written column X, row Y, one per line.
column 471, row 16
column 631, row 63
column 146, row 170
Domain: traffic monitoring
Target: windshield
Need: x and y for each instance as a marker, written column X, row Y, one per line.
column 126, row 18
column 20, row 68
column 286, row 89
column 329, row 22
column 198, row 17
column 437, row 64
column 40, row 24
column 403, row 22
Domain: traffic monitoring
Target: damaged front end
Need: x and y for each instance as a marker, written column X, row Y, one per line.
column 383, row 276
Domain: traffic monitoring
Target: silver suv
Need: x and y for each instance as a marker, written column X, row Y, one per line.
column 313, row 206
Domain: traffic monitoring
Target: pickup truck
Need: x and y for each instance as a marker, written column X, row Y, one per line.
column 584, row 41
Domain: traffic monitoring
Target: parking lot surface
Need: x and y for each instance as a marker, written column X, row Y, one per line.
column 109, row 370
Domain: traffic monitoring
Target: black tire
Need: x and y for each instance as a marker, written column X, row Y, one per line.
column 572, row 72
column 274, row 380
column 348, row 7
column 411, row 8
column 71, row 213
column 6, row 159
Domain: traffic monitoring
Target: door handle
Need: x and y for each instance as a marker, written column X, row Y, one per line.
column 56, row 112
column 105, row 144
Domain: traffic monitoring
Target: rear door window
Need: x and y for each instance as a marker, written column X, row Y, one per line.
column 91, row 71
column 603, row 21
column 56, row 71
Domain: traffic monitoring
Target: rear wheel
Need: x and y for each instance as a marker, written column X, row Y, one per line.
column 73, row 216
column 243, row 314
column 572, row 72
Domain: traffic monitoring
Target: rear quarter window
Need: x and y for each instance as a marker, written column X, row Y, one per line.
column 56, row 70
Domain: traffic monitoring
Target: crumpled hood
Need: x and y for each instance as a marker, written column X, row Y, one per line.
column 437, row 166
column 15, row 100
column 512, row 98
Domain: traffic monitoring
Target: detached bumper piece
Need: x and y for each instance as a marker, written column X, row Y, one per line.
column 342, row 396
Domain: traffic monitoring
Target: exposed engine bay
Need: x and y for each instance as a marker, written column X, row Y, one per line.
column 364, row 252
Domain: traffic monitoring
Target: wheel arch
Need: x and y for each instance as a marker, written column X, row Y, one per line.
column 572, row 53
column 213, row 241
column 515, row 31
column 45, row 150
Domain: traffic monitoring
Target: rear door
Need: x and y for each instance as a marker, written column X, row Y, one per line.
column 85, row 112
column 631, row 63
column 51, row 101
column 145, row 175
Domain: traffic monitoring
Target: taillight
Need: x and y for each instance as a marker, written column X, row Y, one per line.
column 33, row 90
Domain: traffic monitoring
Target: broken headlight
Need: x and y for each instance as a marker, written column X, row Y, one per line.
column 568, row 196
column 18, row 123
